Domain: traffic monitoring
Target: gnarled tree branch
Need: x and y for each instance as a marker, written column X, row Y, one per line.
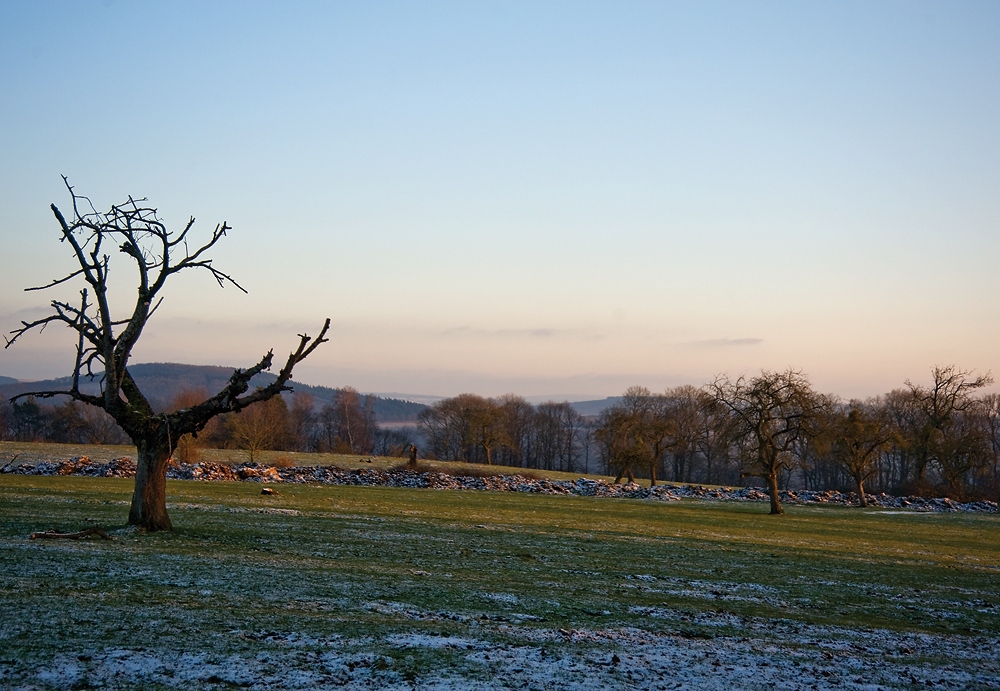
column 104, row 344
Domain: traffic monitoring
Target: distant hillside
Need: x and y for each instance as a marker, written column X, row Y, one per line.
column 161, row 382
column 594, row 408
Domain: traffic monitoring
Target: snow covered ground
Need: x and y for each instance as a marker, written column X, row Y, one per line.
column 325, row 587
column 771, row 655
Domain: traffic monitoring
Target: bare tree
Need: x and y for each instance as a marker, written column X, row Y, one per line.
column 991, row 423
column 712, row 442
column 860, row 435
column 449, row 428
column 188, row 448
column 897, row 467
column 942, row 433
column 632, row 435
column 555, row 436
column 101, row 428
column 6, row 413
column 348, row 422
column 516, row 417
column 683, row 413
column 767, row 414
column 619, row 441
column 264, row 425
column 812, row 452
column 486, row 428
column 395, row 441
column 302, row 422
column 105, row 341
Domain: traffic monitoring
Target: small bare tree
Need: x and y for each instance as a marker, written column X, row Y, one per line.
column 944, row 435
column 860, row 434
column 187, row 449
column 632, row 435
column 264, row 425
column 486, row 430
column 767, row 414
column 105, row 342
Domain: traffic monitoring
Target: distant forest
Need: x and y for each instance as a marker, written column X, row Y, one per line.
column 311, row 418
column 771, row 429
column 162, row 383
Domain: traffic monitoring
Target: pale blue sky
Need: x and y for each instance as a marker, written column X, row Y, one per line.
column 545, row 198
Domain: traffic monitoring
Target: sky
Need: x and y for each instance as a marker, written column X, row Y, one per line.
column 556, row 199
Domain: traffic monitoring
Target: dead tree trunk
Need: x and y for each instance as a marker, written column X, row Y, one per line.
column 149, row 499
column 104, row 343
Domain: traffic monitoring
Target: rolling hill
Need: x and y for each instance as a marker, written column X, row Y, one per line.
column 161, row 382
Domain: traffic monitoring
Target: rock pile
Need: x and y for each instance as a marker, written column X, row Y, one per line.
column 401, row 477
column 78, row 465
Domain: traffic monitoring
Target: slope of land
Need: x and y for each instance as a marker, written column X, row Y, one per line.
column 371, row 587
column 594, row 408
column 161, row 382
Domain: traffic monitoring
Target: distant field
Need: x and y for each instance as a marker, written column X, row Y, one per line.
column 30, row 452
column 371, row 587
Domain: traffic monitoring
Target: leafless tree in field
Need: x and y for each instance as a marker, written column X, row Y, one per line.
column 945, row 434
column 633, row 433
column 105, row 340
column 348, row 423
column 860, row 434
column 264, row 425
column 767, row 415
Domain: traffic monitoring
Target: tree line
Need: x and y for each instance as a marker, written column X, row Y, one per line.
column 345, row 425
column 772, row 428
column 506, row 431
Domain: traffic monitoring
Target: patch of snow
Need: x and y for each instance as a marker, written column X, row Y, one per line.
column 264, row 509
column 419, row 640
column 780, row 654
column 506, row 598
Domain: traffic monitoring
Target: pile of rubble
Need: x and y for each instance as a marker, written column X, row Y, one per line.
column 401, row 477
column 78, row 465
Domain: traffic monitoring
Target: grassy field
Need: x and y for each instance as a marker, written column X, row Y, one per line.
column 367, row 587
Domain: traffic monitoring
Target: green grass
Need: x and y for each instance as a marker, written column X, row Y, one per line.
column 363, row 562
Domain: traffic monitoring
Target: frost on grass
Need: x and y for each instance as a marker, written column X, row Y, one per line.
column 768, row 654
column 704, row 650
column 355, row 594
column 504, row 598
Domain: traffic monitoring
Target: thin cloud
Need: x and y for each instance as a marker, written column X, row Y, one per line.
column 536, row 334
column 725, row 342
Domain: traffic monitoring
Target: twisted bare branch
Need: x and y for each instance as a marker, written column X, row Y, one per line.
column 232, row 398
column 105, row 344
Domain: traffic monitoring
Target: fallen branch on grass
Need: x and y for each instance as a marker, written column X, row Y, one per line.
column 53, row 535
column 9, row 462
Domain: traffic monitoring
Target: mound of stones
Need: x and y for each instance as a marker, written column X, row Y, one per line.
column 78, row 465
column 401, row 477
